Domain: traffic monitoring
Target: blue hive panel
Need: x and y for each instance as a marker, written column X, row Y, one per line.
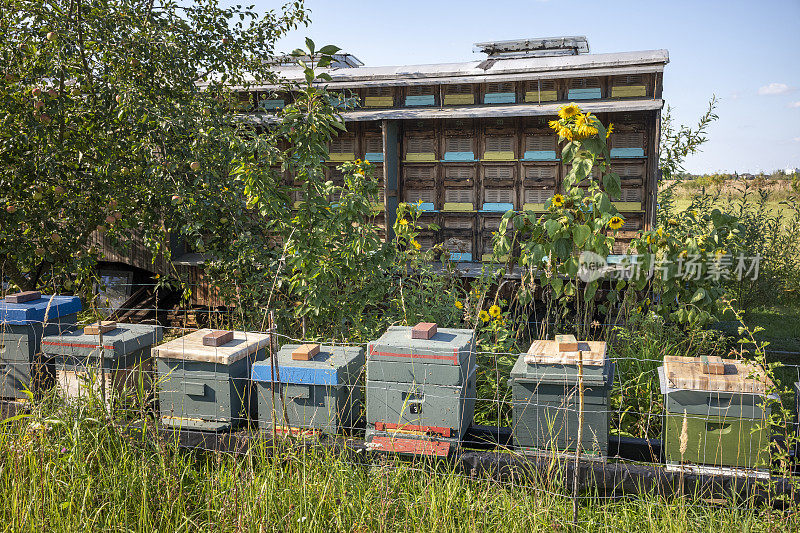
column 33, row 311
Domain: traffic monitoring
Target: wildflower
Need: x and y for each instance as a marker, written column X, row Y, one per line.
column 672, row 222
column 484, row 316
column 459, row 305
column 494, row 311
column 366, row 162
column 415, row 244
column 558, row 200
column 609, row 130
column 660, row 232
column 403, row 222
column 569, row 111
column 615, row 223
column 648, row 239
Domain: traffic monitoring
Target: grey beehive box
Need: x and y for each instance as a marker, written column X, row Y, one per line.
column 319, row 394
column 22, row 325
column 120, row 358
column 421, row 388
column 545, row 396
column 722, row 415
column 207, row 387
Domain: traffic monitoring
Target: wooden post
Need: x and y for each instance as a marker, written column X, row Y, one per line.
column 578, row 442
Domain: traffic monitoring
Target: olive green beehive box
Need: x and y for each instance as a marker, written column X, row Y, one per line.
column 118, row 360
column 718, row 409
column 320, row 394
column 421, row 387
column 545, row 395
column 207, row 387
column 24, row 319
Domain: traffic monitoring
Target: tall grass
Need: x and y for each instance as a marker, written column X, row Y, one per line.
column 66, row 469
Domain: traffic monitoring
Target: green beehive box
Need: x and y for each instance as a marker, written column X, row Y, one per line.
column 119, row 358
column 717, row 408
column 421, row 386
column 207, row 387
column 545, row 392
column 24, row 319
column 320, row 394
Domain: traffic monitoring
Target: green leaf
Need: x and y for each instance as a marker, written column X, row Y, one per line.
column 310, row 45
column 612, row 185
column 552, row 226
column 699, row 294
column 329, row 49
column 580, row 234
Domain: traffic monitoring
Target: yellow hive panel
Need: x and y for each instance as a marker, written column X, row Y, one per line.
column 341, row 156
column 378, row 101
column 423, row 156
column 541, row 96
column 459, row 99
column 458, row 206
column 536, row 208
column 628, row 206
column 498, row 156
column 628, row 91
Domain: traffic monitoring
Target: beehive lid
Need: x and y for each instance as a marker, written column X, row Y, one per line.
column 118, row 342
column 448, row 346
column 33, row 311
column 546, row 352
column 697, row 373
column 332, row 366
column 191, row 348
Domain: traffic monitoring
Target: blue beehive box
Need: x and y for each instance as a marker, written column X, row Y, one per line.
column 24, row 319
column 320, row 393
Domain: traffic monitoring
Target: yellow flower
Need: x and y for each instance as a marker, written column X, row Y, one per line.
column 649, row 241
column 609, row 130
column 558, row 200
column 483, row 315
column 565, row 133
column 660, row 232
column 403, row 222
column 615, row 222
column 366, row 162
column 554, row 125
column 459, row 305
column 672, row 222
column 494, row 311
column 569, row 111
column 415, row 244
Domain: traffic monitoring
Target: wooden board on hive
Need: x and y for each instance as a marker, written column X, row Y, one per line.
column 739, row 376
column 544, row 352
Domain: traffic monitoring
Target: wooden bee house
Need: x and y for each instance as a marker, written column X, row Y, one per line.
column 629, row 86
column 715, row 412
column 584, row 89
column 538, row 91
column 500, row 93
column 24, row 319
column 378, row 97
column 420, row 95
column 319, row 393
column 544, row 384
column 204, row 384
column 459, row 94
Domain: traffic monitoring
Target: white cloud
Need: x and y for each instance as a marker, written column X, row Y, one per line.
column 773, row 88
column 796, row 139
column 795, row 104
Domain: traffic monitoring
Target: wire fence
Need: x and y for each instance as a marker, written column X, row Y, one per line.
column 432, row 400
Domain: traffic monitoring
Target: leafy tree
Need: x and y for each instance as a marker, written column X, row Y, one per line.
column 116, row 116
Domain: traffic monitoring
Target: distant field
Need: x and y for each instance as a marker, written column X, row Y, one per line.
column 729, row 194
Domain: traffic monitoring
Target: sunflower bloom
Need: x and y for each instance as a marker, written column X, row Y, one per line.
column 615, row 223
column 494, row 311
column 569, row 111
column 558, row 200
column 554, row 125
column 660, row 232
column 458, row 304
column 484, row 316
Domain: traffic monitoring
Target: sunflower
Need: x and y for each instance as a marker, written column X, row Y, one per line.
column 660, row 232
column 569, row 111
column 458, row 304
column 558, row 200
column 615, row 222
column 494, row 311
column 484, row 316
column 554, row 125
column 566, row 133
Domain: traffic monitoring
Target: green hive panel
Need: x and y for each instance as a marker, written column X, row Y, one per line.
column 321, row 393
column 22, row 326
column 722, row 428
column 122, row 361
column 546, row 407
column 207, row 387
column 416, row 405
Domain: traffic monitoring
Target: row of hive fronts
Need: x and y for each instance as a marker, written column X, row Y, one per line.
column 508, row 92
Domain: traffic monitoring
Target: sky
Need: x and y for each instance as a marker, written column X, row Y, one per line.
column 745, row 53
